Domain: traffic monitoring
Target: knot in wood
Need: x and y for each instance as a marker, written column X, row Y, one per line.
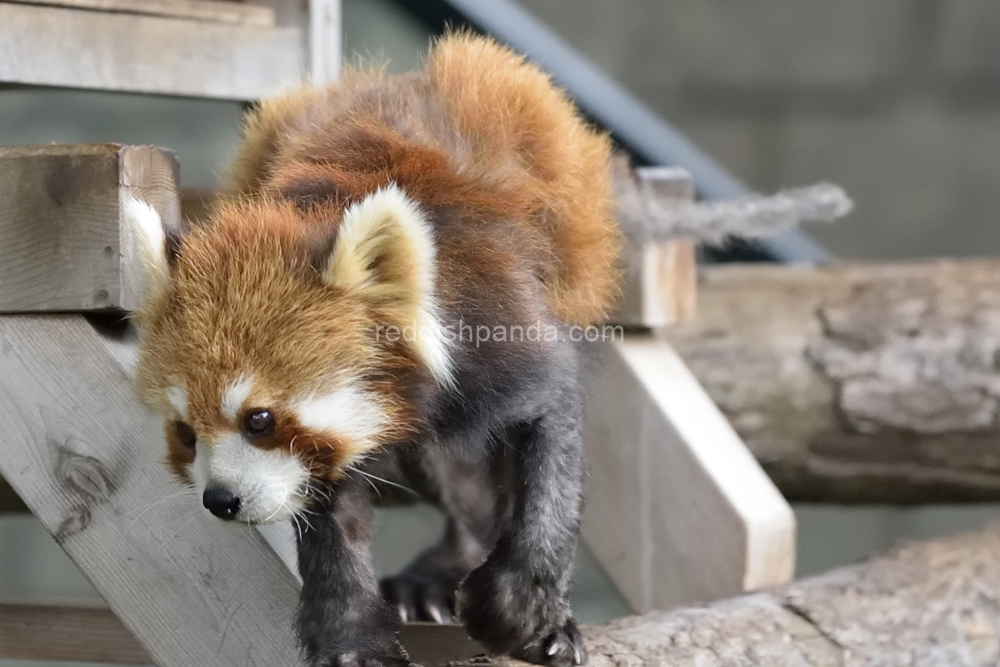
column 903, row 361
column 85, row 475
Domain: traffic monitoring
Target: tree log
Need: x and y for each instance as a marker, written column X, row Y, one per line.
column 857, row 383
column 934, row 604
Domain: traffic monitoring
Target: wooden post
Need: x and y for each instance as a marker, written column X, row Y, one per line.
column 324, row 40
column 63, row 247
column 677, row 510
column 659, row 280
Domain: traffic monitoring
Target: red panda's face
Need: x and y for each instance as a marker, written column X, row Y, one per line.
column 262, row 360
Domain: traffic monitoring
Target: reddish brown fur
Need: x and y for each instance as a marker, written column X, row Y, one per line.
column 479, row 137
column 278, row 322
column 479, row 110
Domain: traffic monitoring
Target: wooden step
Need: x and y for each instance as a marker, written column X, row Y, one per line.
column 245, row 58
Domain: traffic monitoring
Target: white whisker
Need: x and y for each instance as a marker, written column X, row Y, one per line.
column 385, row 481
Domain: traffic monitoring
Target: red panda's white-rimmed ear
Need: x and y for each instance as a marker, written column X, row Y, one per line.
column 385, row 254
column 148, row 271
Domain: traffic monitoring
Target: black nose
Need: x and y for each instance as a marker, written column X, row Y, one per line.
column 221, row 502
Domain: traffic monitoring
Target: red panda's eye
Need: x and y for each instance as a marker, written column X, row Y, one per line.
column 185, row 434
column 258, row 423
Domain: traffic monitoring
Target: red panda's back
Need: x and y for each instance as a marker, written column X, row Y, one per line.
column 496, row 120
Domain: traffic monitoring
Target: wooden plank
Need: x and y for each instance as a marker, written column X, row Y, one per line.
column 659, row 280
column 77, row 631
column 678, row 511
column 197, row 10
column 79, row 449
column 85, row 631
column 62, row 247
column 57, row 46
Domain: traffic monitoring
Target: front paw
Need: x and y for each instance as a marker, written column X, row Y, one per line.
column 512, row 611
column 420, row 598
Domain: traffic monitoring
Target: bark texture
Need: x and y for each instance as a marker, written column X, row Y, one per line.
column 857, row 383
column 935, row 604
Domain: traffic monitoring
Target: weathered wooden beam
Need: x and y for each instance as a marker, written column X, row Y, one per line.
column 933, row 604
column 78, row 631
column 78, row 449
column 857, row 383
column 659, row 283
column 677, row 510
column 63, row 247
column 77, row 48
column 85, row 631
column 199, row 10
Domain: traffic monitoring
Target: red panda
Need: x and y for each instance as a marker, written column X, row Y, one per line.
column 316, row 334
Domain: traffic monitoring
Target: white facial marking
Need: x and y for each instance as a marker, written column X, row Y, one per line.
column 271, row 484
column 350, row 411
column 390, row 205
column 177, row 398
column 235, row 395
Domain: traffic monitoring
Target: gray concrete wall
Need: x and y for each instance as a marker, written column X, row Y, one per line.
column 897, row 100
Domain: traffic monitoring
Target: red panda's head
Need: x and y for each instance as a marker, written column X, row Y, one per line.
column 260, row 345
